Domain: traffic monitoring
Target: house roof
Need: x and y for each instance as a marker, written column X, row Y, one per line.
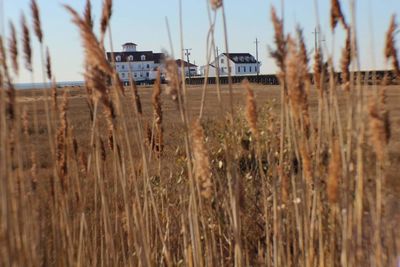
column 158, row 57
column 186, row 64
column 241, row 57
column 137, row 56
column 128, row 44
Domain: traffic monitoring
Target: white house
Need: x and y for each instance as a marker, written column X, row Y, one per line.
column 240, row 64
column 188, row 67
column 142, row 65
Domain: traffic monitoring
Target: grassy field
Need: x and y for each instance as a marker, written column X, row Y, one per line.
column 168, row 174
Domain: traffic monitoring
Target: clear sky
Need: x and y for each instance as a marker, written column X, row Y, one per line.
column 143, row 22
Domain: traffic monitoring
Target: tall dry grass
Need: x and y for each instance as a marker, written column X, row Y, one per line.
column 255, row 188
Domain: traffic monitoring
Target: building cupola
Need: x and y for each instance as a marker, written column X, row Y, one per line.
column 129, row 47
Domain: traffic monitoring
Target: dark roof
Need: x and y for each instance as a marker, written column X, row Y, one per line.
column 128, row 44
column 137, row 56
column 158, row 57
column 179, row 63
column 241, row 57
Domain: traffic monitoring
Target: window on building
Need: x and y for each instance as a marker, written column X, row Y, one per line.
column 250, row 69
column 118, row 58
column 148, row 66
column 130, row 58
column 244, row 69
column 123, row 75
column 122, row 67
column 143, row 57
column 222, row 61
column 238, row 69
column 147, row 74
column 135, row 75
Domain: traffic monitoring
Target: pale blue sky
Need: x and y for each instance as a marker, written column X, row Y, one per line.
column 143, row 22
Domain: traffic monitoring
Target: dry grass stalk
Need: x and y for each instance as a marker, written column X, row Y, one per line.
column 345, row 62
column 306, row 164
column 26, row 40
column 10, row 87
column 33, row 170
column 13, row 47
column 36, row 20
column 251, row 109
column 201, row 161
column 390, row 48
column 25, row 122
column 215, row 4
column 105, row 16
column 334, row 172
column 337, row 15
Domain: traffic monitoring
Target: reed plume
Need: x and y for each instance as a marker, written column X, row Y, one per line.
column 172, row 76
column 136, row 97
column 251, row 109
column 318, row 70
column 215, row 4
column 94, row 53
column 61, row 140
column 379, row 126
column 36, row 20
column 345, row 62
column 48, row 64
column 105, row 17
column 201, row 161
column 334, row 172
column 337, row 15
column 88, row 14
column 279, row 53
column 390, row 48
column 157, row 115
column 13, row 48
column 26, row 40
column 303, row 57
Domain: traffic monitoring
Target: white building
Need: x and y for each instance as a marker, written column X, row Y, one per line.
column 143, row 65
column 240, row 64
column 188, row 67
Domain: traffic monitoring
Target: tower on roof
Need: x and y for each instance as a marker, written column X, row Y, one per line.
column 129, row 47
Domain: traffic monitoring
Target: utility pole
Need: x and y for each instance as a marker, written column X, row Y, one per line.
column 258, row 66
column 187, row 54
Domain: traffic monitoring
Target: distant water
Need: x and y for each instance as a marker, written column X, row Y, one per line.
column 22, row 86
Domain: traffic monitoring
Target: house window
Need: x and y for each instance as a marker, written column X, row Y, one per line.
column 238, row 69
column 118, row 58
column 135, row 75
column 130, row 58
column 123, row 75
column 123, row 67
column 148, row 66
column 143, row 57
column 250, row 69
column 222, row 61
column 147, row 74
column 244, row 69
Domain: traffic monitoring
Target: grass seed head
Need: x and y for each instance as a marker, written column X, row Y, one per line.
column 13, row 47
column 36, row 21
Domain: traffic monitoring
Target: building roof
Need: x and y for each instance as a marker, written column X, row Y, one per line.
column 186, row 64
column 137, row 56
column 158, row 57
column 241, row 58
column 129, row 44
